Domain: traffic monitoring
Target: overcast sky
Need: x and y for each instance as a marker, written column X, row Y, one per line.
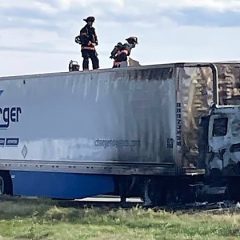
column 37, row 36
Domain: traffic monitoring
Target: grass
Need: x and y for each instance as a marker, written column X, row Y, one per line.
column 47, row 219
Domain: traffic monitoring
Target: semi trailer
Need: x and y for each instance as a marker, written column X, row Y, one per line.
column 161, row 132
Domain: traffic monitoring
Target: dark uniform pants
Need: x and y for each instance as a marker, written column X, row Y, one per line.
column 92, row 54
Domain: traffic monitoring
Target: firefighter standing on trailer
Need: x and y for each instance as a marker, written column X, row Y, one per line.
column 88, row 40
column 122, row 51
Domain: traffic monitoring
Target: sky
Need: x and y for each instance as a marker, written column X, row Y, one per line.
column 37, row 36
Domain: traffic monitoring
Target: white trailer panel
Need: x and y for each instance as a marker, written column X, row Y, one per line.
column 98, row 118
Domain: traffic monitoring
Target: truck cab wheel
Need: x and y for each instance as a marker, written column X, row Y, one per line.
column 233, row 191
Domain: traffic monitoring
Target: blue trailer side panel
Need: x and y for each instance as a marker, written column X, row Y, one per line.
column 60, row 185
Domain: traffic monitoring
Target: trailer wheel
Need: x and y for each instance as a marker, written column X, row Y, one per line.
column 1, row 186
column 5, row 183
column 154, row 192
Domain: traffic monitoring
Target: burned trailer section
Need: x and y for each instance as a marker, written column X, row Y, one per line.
column 195, row 96
column 146, row 131
column 152, row 106
column 135, row 124
column 228, row 83
column 195, row 92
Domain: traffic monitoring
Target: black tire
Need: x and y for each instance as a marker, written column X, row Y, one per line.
column 233, row 191
column 156, row 192
column 5, row 183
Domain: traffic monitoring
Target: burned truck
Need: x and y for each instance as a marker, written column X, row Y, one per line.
column 146, row 131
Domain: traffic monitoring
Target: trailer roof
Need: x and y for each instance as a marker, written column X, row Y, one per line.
column 164, row 65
